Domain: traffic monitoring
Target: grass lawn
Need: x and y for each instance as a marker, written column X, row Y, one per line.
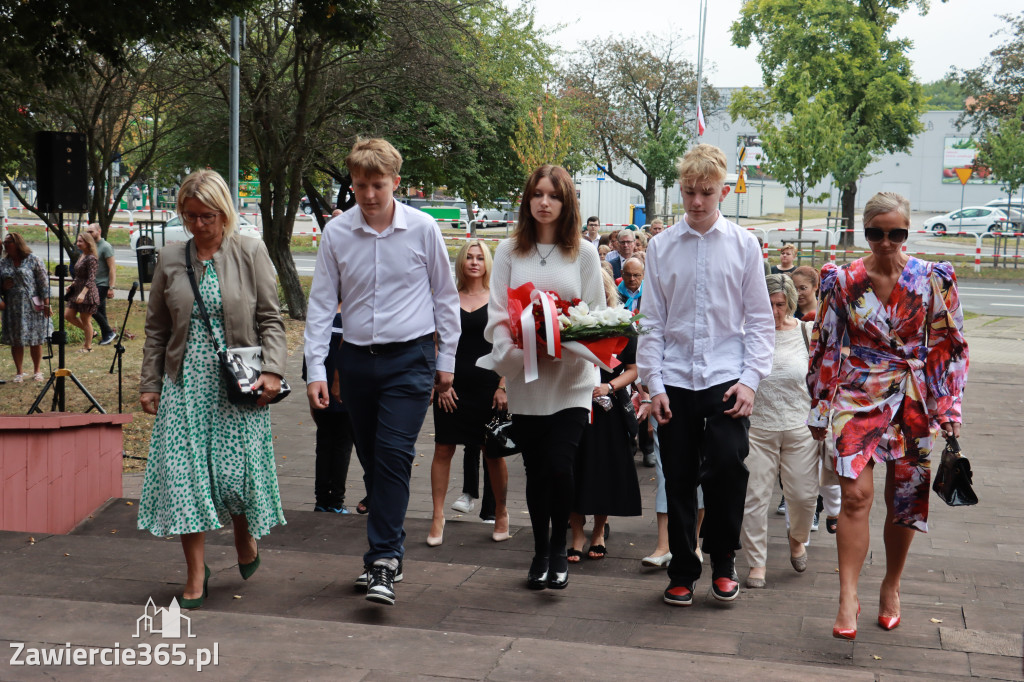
column 92, row 369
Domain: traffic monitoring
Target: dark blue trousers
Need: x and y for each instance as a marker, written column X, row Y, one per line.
column 387, row 396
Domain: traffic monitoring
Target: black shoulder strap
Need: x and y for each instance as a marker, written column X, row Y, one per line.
column 807, row 340
column 195, row 290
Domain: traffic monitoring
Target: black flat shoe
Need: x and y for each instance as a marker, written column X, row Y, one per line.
column 537, row 578
column 558, row 574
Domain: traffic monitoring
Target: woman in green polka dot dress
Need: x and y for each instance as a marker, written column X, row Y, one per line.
column 211, row 462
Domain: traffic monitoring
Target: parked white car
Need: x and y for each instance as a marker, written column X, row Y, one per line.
column 175, row 232
column 976, row 219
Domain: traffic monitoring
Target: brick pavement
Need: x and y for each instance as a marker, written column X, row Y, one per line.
column 463, row 612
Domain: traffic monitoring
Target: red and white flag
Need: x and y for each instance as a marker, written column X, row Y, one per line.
column 700, row 120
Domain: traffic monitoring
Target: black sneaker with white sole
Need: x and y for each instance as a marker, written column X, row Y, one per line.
column 381, row 587
column 108, row 338
column 364, row 578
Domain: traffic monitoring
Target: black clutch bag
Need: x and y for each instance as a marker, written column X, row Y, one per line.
column 954, row 478
column 498, row 437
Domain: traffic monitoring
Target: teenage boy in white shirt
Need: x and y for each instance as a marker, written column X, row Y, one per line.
column 387, row 265
column 711, row 340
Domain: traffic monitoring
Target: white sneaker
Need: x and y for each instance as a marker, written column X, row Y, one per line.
column 464, row 504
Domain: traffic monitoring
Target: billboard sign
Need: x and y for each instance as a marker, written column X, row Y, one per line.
column 962, row 152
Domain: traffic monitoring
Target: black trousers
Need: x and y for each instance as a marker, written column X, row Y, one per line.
column 701, row 445
column 333, row 455
column 101, row 313
column 549, row 444
column 471, row 480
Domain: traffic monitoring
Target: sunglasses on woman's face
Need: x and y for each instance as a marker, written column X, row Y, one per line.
column 877, row 234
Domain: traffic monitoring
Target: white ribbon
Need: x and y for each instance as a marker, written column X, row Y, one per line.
column 529, row 330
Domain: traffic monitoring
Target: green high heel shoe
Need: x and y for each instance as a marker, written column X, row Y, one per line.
column 248, row 569
column 198, row 601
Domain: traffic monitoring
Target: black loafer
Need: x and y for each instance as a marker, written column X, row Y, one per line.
column 558, row 574
column 537, row 578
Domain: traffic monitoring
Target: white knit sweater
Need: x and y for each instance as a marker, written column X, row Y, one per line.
column 564, row 383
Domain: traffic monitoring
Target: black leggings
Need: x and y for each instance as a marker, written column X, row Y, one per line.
column 549, row 444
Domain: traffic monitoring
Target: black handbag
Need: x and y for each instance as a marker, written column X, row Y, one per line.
column 953, row 478
column 498, row 440
column 240, row 367
column 624, row 404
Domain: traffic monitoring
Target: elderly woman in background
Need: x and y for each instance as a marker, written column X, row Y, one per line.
column 779, row 442
column 903, row 381
column 26, row 322
column 83, row 296
column 805, row 279
column 211, row 462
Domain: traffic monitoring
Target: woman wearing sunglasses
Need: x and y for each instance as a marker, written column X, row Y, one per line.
column 903, row 381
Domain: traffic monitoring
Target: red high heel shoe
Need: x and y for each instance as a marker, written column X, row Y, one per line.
column 889, row 622
column 846, row 633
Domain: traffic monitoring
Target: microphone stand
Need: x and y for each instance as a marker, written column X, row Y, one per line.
column 119, row 348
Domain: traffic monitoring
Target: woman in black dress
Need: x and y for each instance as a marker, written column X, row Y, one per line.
column 605, row 475
column 461, row 412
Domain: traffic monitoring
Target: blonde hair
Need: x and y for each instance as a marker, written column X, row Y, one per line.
column 209, row 188
column 611, row 292
column 90, row 243
column 782, row 284
column 463, row 256
column 704, row 162
column 641, row 240
column 788, row 247
column 374, row 156
column 887, row 202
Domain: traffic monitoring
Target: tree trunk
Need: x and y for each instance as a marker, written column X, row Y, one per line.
column 800, row 222
column 847, row 202
column 650, row 197
column 287, row 275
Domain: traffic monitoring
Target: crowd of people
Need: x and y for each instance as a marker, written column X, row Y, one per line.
column 738, row 380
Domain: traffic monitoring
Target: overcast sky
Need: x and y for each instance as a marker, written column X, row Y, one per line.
column 957, row 32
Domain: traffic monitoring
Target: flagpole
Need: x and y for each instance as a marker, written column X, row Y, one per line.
column 702, row 22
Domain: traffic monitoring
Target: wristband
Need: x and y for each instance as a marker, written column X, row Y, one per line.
column 502, row 388
column 611, row 389
column 645, row 402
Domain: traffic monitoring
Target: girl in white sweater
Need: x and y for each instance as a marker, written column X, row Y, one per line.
column 548, row 414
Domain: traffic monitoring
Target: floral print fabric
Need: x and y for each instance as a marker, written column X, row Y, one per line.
column 888, row 398
column 209, row 459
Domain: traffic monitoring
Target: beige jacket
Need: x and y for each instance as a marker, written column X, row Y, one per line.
column 252, row 316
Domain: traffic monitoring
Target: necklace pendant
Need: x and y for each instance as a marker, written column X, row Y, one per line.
column 543, row 261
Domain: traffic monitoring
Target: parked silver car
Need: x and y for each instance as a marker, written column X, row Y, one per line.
column 976, row 219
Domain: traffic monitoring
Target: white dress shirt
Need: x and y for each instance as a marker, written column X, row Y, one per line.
column 394, row 286
column 707, row 308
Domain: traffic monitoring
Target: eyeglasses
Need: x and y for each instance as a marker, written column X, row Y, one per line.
column 201, row 218
column 877, row 234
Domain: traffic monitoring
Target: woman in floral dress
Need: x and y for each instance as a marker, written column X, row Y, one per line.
column 211, row 462
column 903, row 380
column 83, row 296
column 22, row 276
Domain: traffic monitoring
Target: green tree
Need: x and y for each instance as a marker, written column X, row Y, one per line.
column 125, row 107
column 943, row 95
column 639, row 103
column 800, row 148
column 1002, row 148
column 996, row 87
column 846, row 49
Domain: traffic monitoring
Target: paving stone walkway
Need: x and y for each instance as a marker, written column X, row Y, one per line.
column 463, row 611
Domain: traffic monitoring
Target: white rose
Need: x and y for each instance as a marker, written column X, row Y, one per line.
column 563, row 321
